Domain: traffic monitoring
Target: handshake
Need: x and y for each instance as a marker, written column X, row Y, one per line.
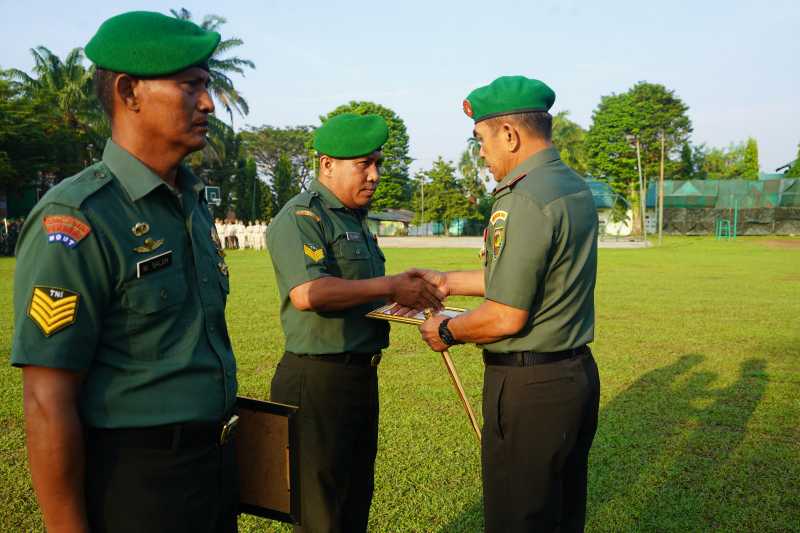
column 418, row 290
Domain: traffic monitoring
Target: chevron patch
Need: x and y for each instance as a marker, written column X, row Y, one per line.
column 314, row 253
column 53, row 309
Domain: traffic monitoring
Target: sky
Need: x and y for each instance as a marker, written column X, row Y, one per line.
column 736, row 64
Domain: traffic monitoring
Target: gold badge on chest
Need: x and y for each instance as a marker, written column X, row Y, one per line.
column 149, row 245
column 140, row 228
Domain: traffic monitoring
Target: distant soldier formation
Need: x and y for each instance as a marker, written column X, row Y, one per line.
column 238, row 235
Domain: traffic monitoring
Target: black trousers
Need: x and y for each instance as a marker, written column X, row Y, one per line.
column 187, row 489
column 539, row 423
column 338, row 418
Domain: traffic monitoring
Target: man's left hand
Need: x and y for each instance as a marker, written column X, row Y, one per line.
column 430, row 333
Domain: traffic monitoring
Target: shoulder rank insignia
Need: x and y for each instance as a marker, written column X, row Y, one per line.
column 307, row 213
column 149, row 245
column 314, row 253
column 65, row 229
column 498, row 216
column 140, row 228
column 53, row 309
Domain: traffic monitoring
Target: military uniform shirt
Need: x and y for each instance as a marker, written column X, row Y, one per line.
column 315, row 236
column 120, row 276
column 540, row 254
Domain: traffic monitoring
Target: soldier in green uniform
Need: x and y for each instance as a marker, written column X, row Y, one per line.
column 119, row 298
column 330, row 273
column 541, row 385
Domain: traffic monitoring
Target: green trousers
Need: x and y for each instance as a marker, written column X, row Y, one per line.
column 539, row 423
column 338, row 432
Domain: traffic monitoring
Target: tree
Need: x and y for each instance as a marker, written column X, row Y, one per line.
column 219, row 68
column 749, row 164
column 474, row 175
column 68, row 83
column 395, row 188
column 570, row 139
column 737, row 161
column 643, row 113
column 50, row 124
column 446, row 197
column 794, row 170
column 284, row 183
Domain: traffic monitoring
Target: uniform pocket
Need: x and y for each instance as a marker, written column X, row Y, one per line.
column 352, row 258
column 154, row 313
column 493, row 385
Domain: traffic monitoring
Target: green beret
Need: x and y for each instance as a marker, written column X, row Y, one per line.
column 143, row 43
column 507, row 95
column 349, row 135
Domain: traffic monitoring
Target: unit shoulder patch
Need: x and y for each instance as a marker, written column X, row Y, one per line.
column 65, row 229
column 53, row 309
column 314, row 253
column 498, row 216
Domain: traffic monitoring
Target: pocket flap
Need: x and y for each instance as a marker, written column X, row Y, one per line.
column 152, row 294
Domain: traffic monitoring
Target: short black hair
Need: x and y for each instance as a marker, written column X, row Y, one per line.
column 538, row 123
column 104, row 89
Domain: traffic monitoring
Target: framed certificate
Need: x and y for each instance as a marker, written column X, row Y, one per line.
column 385, row 313
column 268, row 457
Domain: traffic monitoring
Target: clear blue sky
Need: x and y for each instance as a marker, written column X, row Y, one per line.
column 735, row 63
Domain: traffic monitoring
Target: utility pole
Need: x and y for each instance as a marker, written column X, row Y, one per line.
column 422, row 194
column 661, row 192
column 642, row 192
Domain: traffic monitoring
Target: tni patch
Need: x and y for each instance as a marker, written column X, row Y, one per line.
column 53, row 309
column 314, row 253
column 65, row 229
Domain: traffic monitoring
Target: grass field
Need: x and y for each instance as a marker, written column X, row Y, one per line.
column 698, row 344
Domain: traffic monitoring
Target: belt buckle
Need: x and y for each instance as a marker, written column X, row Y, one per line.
column 376, row 359
column 228, row 429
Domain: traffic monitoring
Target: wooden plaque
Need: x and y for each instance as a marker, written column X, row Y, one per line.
column 268, row 456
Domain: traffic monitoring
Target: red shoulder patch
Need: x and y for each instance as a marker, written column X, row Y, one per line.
column 65, row 229
column 467, row 108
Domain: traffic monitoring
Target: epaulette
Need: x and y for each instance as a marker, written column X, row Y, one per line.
column 73, row 191
column 510, row 184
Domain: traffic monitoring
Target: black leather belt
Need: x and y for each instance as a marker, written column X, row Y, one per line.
column 168, row 437
column 347, row 358
column 531, row 358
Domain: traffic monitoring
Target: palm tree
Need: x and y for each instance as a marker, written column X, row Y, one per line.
column 219, row 68
column 68, row 82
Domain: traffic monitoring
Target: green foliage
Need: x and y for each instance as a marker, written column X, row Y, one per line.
column 643, row 113
column 737, row 161
column 220, row 68
column 570, row 139
column 474, row 176
column 794, row 170
column 284, row 182
column 395, row 188
column 48, row 125
column 446, row 197
column 281, row 154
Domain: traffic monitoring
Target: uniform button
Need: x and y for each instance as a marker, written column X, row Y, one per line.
column 211, row 328
column 205, row 279
column 163, row 294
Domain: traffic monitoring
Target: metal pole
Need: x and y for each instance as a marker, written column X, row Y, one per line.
column 661, row 192
column 462, row 395
column 422, row 193
column 642, row 193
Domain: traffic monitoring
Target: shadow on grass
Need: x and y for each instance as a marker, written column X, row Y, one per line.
column 662, row 446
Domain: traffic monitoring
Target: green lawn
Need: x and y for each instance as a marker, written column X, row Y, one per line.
column 698, row 344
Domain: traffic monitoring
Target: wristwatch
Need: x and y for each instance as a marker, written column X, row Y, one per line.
column 446, row 335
